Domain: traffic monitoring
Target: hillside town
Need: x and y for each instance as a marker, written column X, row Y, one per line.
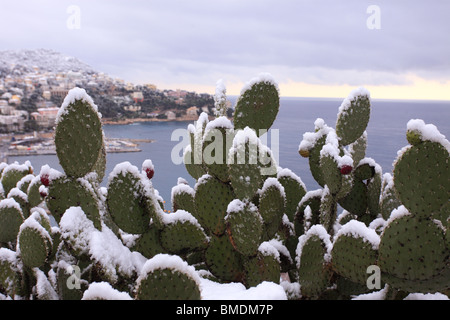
column 30, row 96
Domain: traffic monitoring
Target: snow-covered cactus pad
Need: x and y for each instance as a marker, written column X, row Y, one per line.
column 182, row 233
column 272, row 204
column 78, row 134
column 244, row 227
column 265, row 266
column 13, row 173
column 211, row 201
column 65, row 192
column 421, row 172
column 313, row 257
column 127, row 198
column 353, row 117
column 34, row 240
column 413, row 253
column 11, row 218
column 258, row 104
column 355, row 248
column 173, row 278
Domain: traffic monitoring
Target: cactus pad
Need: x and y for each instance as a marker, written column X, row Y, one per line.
column 166, row 277
column 354, row 250
column 211, row 200
column 11, row 218
column 421, row 177
column 126, row 199
column 78, row 134
column 34, row 242
column 223, row 260
column 66, row 192
column 258, row 104
column 353, row 117
column 244, row 227
column 413, row 249
column 265, row 266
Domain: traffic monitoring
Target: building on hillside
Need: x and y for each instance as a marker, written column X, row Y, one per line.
column 192, row 112
column 132, row 108
column 45, row 117
column 170, row 115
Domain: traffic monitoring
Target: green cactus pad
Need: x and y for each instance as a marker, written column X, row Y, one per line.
column 149, row 243
column 356, row 200
column 11, row 217
column 272, row 204
column 67, row 192
column 34, row 196
column 353, row 117
column 9, row 271
column 328, row 210
column 182, row 233
column 34, row 242
column 312, row 259
column 312, row 199
column 223, row 260
column 331, row 173
column 12, row 174
column 183, row 198
column 78, row 134
column 166, row 277
column 265, row 266
column 246, row 174
column 413, row 249
column 126, row 199
column 374, row 193
column 216, row 143
column 244, row 227
column 354, row 250
column 421, row 177
column 258, row 104
column 211, row 200
column 294, row 189
column 357, row 149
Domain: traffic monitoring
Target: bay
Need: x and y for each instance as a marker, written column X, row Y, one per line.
column 386, row 135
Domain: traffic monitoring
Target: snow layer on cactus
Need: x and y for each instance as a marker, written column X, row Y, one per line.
column 310, row 138
column 319, row 231
column 262, row 77
column 358, row 229
column 103, row 246
column 72, row 96
column 212, row 290
column 104, row 291
column 220, row 99
column 428, row 132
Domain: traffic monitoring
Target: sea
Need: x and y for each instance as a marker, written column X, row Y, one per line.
column 386, row 136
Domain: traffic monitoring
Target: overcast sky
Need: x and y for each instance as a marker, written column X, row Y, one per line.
column 308, row 46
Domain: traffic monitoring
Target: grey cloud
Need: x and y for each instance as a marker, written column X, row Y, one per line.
column 316, row 41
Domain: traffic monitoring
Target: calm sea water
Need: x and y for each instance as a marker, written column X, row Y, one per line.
column 386, row 135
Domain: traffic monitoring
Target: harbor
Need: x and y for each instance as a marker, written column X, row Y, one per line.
column 44, row 144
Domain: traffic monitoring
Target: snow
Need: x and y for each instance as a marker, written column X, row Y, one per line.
column 262, row 77
column 103, row 246
column 166, row 261
column 354, row 94
column 73, row 95
column 220, row 99
column 182, row 188
column 273, row 182
column 358, row 229
column 427, row 296
column 285, row 172
column 319, row 231
column 10, row 203
column 180, row 216
column 147, row 164
column 52, row 174
column 104, row 291
column 371, row 162
column 310, row 138
column 398, row 213
column 16, row 192
column 267, row 249
column 428, row 132
column 236, row 291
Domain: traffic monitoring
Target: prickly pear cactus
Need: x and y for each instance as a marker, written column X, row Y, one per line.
column 78, row 134
column 173, row 277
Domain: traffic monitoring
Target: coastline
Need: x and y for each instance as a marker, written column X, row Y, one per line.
column 135, row 120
